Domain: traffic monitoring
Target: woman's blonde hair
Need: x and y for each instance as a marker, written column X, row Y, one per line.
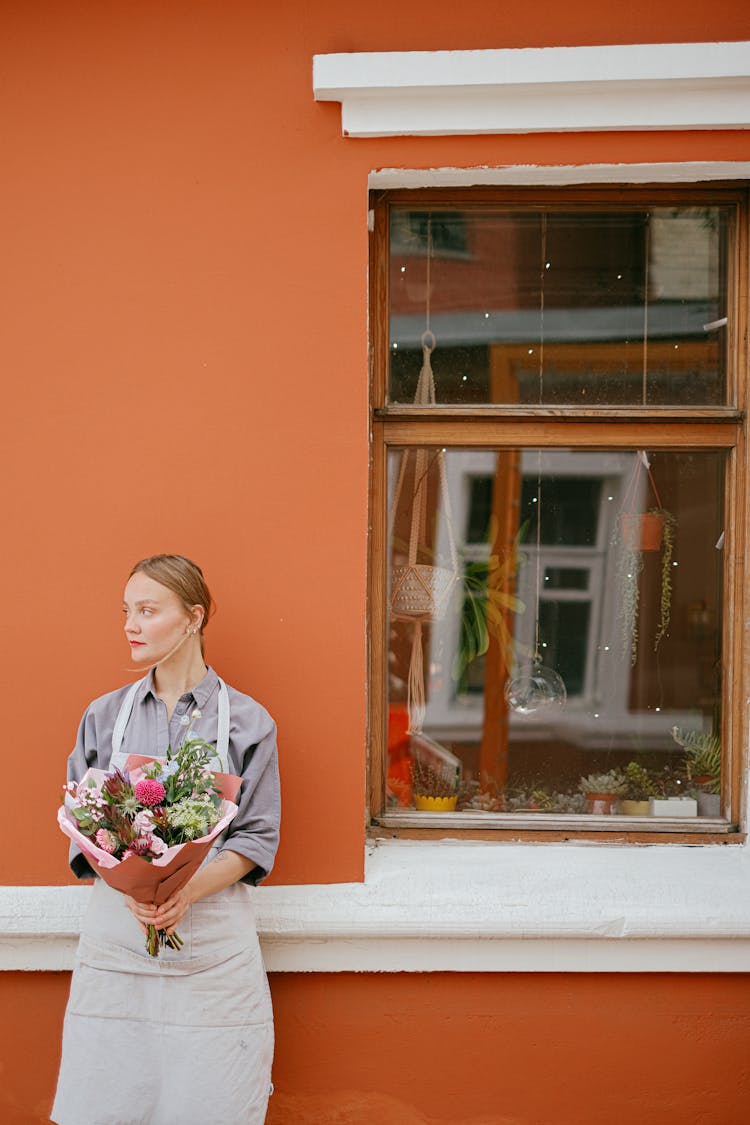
column 183, row 577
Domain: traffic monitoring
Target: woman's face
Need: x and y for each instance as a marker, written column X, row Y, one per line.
column 155, row 619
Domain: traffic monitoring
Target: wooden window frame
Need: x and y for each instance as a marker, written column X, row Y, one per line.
column 497, row 426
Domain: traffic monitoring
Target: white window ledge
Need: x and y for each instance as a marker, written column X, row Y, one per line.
column 548, row 89
column 560, row 175
column 469, row 907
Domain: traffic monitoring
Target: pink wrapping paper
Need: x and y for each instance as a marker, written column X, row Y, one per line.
column 156, row 880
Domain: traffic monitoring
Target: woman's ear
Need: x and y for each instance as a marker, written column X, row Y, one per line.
column 196, row 617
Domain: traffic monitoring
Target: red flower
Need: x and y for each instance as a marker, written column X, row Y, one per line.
column 149, row 792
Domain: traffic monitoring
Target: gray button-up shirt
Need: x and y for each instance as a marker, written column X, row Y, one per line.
column 254, row 832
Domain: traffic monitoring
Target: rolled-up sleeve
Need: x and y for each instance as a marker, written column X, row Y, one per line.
column 81, row 758
column 254, row 832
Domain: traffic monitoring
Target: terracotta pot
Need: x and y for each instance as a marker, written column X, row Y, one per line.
column 642, row 531
column 601, row 804
column 435, row 804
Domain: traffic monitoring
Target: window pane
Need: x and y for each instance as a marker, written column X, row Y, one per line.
column 555, row 614
column 577, row 308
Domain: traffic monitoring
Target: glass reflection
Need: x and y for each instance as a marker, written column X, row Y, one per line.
column 519, row 560
column 575, row 308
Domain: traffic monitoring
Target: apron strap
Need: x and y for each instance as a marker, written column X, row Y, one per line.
column 123, row 716
column 222, row 736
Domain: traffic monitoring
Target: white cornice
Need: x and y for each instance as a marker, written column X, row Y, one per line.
column 547, row 89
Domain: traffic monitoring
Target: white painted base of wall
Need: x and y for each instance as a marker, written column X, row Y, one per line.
column 469, row 907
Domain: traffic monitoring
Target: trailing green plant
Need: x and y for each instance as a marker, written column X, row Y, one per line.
column 629, row 570
column 665, row 597
column 702, row 756
column 639, row 784
column 612, row 783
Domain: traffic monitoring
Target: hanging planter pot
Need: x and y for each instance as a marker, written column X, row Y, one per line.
column 642, row 531
column 421, row 591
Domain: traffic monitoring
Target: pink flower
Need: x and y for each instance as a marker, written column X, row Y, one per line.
column 106, row 840
column 143, row 822
column 149, row 791
column 157, row 845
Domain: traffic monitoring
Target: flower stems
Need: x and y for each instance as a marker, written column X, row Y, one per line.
column 156, row 939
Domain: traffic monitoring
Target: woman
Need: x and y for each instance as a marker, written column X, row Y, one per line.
column 188, row 1036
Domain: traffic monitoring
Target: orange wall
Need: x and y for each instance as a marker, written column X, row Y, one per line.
column 460, row 1049
column 183, row 357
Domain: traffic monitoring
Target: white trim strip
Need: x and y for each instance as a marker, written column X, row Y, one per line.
column 550, row 89
column 533, row 175
column 469, row 906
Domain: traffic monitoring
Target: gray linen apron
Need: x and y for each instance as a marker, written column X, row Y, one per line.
column 185, row 1038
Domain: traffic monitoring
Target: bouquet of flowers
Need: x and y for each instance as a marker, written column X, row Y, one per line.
column 146, row 829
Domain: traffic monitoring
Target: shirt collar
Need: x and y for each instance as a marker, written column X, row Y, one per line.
column 201, row 693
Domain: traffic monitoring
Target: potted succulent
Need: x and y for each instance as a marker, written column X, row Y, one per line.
column 639, row 787
column 602, row 791
column 672, row 799
column 703, row 765
column 530, row 798
column 433, row 789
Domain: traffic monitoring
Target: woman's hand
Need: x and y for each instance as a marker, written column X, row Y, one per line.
column 170, row 913
column 221, row 872
column 144, row 912
column 165, row 917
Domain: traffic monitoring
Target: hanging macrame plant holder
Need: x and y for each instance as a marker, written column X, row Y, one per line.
column 639, row 530
column 421, row 592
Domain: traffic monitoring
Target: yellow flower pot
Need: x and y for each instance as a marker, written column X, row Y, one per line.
column 435, row 804
column 634, row 808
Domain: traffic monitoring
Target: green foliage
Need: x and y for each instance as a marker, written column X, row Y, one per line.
column 612, row 783
column 629, row 570
column 665, row 597
column 489, row 601
column 702, row 756
column 639, row 784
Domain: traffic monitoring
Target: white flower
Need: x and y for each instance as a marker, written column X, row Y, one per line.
column 143, row 822
column 196, row 714
column 184, row 720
